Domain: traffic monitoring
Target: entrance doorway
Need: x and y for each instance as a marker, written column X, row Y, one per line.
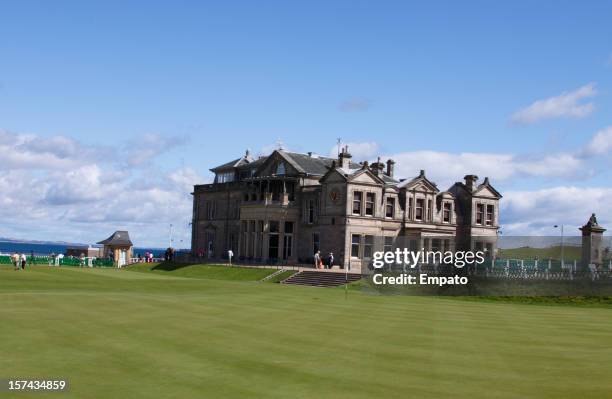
column 122, row 258
column 273, row 246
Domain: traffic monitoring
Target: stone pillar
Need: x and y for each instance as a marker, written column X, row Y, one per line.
column 592, row 243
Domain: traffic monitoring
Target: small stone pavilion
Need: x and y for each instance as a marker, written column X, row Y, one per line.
column 118, row 247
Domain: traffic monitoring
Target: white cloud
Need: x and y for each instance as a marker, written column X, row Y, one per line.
column 26, row 151
column 145, row 148
column 359, row 151
column 564, row 105
column 600, row 144
column 60, row 189
column 355, row 104
column 536, row 212
column 446, row 168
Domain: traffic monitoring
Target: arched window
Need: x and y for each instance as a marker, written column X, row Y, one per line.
column 280, row 169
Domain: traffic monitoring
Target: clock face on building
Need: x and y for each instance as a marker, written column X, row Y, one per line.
column 334, row 195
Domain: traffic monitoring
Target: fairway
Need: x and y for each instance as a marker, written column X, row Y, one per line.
column 138, row 334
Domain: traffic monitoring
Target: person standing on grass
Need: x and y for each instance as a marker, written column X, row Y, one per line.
column 15, row 260
column 317, row 259
column 24, row 260
column 230, row 255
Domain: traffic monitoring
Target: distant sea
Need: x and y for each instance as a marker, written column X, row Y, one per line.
column 47, row 249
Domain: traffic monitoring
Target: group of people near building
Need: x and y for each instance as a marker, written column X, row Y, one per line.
column 148, row 257
column 19, row 261
column 319, row 262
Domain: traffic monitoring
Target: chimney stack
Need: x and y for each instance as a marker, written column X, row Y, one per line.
column 344, row 158
column 470, row 181
column 378, row 167
column 390, row 167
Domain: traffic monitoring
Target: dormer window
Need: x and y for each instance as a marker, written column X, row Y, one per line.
column 420, row 205
column 446, row 212
column 225, row 177
column 280, row 169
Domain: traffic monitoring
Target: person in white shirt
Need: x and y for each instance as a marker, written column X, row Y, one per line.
column 15, row 259
column 230, row 255
column 317, row 259
column 24, row 260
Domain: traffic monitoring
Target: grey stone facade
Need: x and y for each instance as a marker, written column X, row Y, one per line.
column 284, row 207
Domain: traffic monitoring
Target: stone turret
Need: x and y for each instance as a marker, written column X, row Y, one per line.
column 344, row 158
column 378, row 167
column 390, row 167
column 592, row 242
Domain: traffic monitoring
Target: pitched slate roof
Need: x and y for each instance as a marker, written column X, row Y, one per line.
column 120, row 237
column 314, row 164
column 309, row 164
column 389, row 180
column 422, row 178
column 244, row 160
column 227, row 165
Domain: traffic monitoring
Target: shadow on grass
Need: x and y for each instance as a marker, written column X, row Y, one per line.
column 171, row 266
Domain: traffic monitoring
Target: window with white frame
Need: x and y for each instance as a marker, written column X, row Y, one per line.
column 446, row 212
column 419, row 209
column 357, row 198
column 479, row 213
column 355, row 241
column 410, row 206
column 490, row 217
column 225, row 177
column 369, row 205
column 390, row 207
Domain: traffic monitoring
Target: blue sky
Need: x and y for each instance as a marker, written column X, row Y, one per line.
column 193, row 84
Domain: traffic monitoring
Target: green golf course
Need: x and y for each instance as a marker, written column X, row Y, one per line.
column 212, row 332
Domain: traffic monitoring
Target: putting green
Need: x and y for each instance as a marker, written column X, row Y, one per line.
column 126, row 334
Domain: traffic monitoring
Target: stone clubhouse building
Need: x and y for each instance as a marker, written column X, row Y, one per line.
column 284, row 207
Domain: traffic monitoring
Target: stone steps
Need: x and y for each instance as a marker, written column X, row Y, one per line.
column 321, row 279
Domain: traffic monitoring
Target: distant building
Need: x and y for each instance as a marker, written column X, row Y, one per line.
column 117, row 247
column 286, row 206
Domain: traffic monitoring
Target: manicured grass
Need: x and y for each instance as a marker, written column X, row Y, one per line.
column 569, row 253
column 217, row 272
column 124, row 334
